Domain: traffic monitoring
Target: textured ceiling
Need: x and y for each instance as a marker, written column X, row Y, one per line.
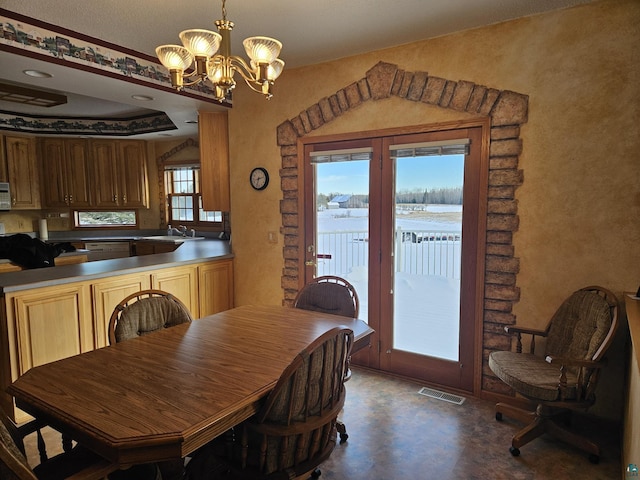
column 312, row 31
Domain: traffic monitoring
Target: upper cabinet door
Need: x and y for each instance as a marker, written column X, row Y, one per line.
column 132, row 170
column 53, row 169
column 105, row 178
column 76, row 167
column 214, row 161
column 22, row 173
column 66, row 177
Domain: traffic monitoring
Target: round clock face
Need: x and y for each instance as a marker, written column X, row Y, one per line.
column 259, row 178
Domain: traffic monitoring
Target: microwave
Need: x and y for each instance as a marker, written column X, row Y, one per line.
column 5, row 196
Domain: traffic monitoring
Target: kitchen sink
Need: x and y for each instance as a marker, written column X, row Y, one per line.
column 170, row 238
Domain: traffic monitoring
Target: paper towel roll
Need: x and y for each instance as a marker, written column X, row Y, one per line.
column 44, row 231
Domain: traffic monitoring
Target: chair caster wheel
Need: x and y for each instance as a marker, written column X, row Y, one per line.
column 343, row 437
column 595, row 459
column 316, row 473
column 514, row 451
column 499, row 416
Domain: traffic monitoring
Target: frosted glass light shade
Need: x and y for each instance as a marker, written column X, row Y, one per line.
column 201, row 43
column 275, row 69
column 262, row 49
column 174, row 57
column 214, row 72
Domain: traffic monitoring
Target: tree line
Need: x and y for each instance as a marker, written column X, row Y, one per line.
column 439, row 196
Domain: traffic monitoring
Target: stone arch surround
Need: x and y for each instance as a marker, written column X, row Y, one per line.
column 506, row 110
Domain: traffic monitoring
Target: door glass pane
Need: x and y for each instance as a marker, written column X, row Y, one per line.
column 342, row 223
column 428, row 240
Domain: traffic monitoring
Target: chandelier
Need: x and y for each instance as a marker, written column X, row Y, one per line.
column 211, row 54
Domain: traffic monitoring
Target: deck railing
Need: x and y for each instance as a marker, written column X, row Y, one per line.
column 418, row 252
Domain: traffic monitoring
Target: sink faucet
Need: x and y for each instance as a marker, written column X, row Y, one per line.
column 181, row 230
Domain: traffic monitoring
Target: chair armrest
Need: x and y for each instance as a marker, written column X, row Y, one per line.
column 584, row 386
column 573, row 362
column 527, row 331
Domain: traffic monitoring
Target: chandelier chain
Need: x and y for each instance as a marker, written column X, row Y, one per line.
column 224, row 10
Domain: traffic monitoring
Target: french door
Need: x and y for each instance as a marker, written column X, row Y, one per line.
column 398, row 216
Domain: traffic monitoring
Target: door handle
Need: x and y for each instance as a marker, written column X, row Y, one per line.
column 310, row 263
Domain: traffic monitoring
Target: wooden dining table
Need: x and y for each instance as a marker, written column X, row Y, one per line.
column 162, row 396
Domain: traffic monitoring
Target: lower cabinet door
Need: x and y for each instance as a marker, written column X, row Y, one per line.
column 52, row 324
column 215, row 282
column 181, row 282
column 107, row 294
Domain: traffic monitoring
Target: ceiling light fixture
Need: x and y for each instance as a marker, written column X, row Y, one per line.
column 30, row 96
column 142, row 98
column 218, row 66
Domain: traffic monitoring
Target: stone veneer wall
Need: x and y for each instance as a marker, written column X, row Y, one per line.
column 507, row 111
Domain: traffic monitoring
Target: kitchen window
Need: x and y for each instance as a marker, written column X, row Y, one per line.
column 105, row 219
column 184, row 200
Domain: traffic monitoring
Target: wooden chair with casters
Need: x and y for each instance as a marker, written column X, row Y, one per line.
column 77, row 464
column 335, row 295
column 294, row 430
column 144, row 312
column 565, row 377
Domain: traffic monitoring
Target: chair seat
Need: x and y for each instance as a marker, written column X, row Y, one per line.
column 531, row 376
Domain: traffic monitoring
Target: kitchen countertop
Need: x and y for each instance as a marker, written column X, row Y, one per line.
column 189, row 252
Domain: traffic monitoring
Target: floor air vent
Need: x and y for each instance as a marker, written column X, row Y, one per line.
column 447, row 397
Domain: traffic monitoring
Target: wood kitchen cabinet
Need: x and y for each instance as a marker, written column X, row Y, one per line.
column 213, row 135
column 215, row 287
column 106, row 294
column 20, row 170
column 65, row 165
column 181, row 282
column 119, row 173
column 43, row 326
column 147, row 247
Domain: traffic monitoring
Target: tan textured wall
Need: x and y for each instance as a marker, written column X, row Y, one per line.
column 580, row 194
column 580, row 200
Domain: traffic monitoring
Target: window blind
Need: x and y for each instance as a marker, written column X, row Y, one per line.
column 348, row 155
column 444, row 147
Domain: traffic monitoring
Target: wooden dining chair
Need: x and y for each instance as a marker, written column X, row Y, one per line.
column 294, row 430
column 77, row 464
column 334, row 295
column 329, row 294
column 144, row 312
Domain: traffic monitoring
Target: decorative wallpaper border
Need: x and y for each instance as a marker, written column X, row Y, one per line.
column 45, row 125
column 27, row 36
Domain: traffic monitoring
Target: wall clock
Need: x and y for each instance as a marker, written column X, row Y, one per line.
column 259, row 178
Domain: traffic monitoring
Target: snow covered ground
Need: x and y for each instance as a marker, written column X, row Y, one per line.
column 426, row 300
